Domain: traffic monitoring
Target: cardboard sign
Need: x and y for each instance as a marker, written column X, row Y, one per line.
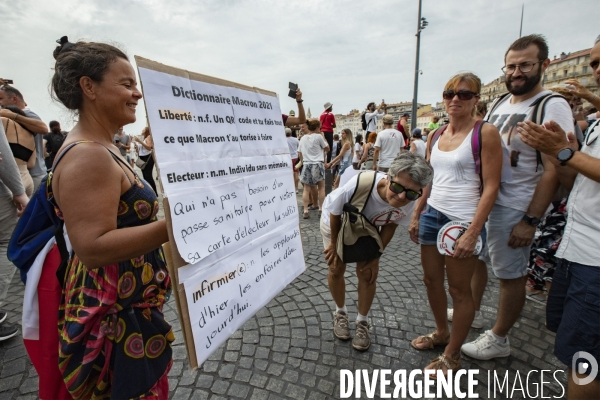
column 450, row 233
column 230, row 203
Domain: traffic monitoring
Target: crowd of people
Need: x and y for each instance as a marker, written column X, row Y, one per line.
column 524, row 183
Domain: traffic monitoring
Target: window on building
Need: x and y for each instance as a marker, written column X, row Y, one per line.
column 554, row 75
column 584, row 70
column 565, row 72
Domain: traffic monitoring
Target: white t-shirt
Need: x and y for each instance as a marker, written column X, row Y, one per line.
column 377, row 211
column 293, row 144
column 357, row 147
column 420, row 147
column 580, row 239
column 311, row 147
column 518, row 192
column 371, row 119
column 389, row 141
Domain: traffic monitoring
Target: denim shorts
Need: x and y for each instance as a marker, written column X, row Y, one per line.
column 573, row 312
column 507, row 263
column 431, row 222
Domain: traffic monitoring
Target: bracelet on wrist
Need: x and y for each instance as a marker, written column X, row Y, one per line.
column 15, row 117
column 299, row 101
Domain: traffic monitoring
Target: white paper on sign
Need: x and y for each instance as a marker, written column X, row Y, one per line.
column 221, row 219
column 223, row 297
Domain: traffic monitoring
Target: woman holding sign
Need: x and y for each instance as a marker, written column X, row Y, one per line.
column 113, row 337
column 466, row 156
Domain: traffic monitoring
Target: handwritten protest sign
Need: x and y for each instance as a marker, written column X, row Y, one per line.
column 231, row 209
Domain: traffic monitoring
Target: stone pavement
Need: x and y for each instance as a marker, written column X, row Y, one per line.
column 287, row 350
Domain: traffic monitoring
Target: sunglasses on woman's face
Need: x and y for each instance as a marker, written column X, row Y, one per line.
column 398, row 188
column 462, row 94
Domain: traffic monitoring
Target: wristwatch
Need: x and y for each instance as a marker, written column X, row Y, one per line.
column 565, row 155
column 533, row 221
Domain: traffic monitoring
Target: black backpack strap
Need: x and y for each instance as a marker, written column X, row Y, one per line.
column 496, row 103
column 538, row 113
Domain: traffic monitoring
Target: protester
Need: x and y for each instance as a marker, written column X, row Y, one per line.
column 311, row 155
column 455, row 195
column 417, row 144
column 292, row 120
column 480, row 111
column 366, row 162
column 114, row 339
column 358, row 152
column 123, row 142
column 146, row 145
column 52, row 143
column 371, row 117
column 344, row 157
column 390, row 204
column 22, row 145
column 573, row 311
column 434, row 124
column 13, row 201
column 335, row 151
column 402, row 126
column 426, row 132
column 293, row 144
column 387, row 146
column 327, row 120
column 32, row 122
column 521, row 202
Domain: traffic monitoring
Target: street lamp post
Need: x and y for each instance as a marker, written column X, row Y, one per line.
column 421, row 24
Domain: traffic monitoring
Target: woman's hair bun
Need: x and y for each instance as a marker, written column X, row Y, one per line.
column 63, row 45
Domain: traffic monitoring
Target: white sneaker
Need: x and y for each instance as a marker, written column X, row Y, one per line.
column 486, row 347
column 477, row 321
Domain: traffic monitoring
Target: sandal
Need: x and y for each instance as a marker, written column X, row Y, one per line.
column 431, row 340
column 311, row 208
column 443, row 361
column 306, row 215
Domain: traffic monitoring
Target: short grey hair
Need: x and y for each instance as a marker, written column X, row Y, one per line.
column 288, row 132
column 419, row 170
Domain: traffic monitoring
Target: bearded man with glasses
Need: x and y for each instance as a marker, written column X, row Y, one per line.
column 389, row 204
column 522, row 201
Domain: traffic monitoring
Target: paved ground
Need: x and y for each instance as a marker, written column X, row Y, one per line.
column 287, row 350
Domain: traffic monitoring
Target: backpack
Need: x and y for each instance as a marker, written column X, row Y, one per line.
column 537, row 114
column 363, row 121
column 38, row 224
column 358, row 239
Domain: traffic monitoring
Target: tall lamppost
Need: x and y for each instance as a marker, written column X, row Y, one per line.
column 421, row 24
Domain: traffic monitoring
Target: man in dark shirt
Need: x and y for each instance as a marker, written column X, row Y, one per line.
column 52, row 143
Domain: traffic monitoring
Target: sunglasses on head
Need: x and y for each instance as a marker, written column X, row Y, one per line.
column 462, row 94
column 398, row 188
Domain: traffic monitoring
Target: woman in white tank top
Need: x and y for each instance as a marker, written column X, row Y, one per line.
column 455, row 196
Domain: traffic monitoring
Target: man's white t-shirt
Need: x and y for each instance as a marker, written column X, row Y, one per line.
column 311, row 147
column 389, row 141
column 357, row 148
column 371, row 119
column 526, row 172
column 293, row 144
column 377, row 211
column 580, row 238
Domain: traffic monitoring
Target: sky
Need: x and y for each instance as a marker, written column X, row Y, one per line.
column 348, row 53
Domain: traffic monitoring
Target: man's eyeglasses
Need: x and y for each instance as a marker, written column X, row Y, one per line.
column 524, row 68
column 398, row 188
column 462, row 94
